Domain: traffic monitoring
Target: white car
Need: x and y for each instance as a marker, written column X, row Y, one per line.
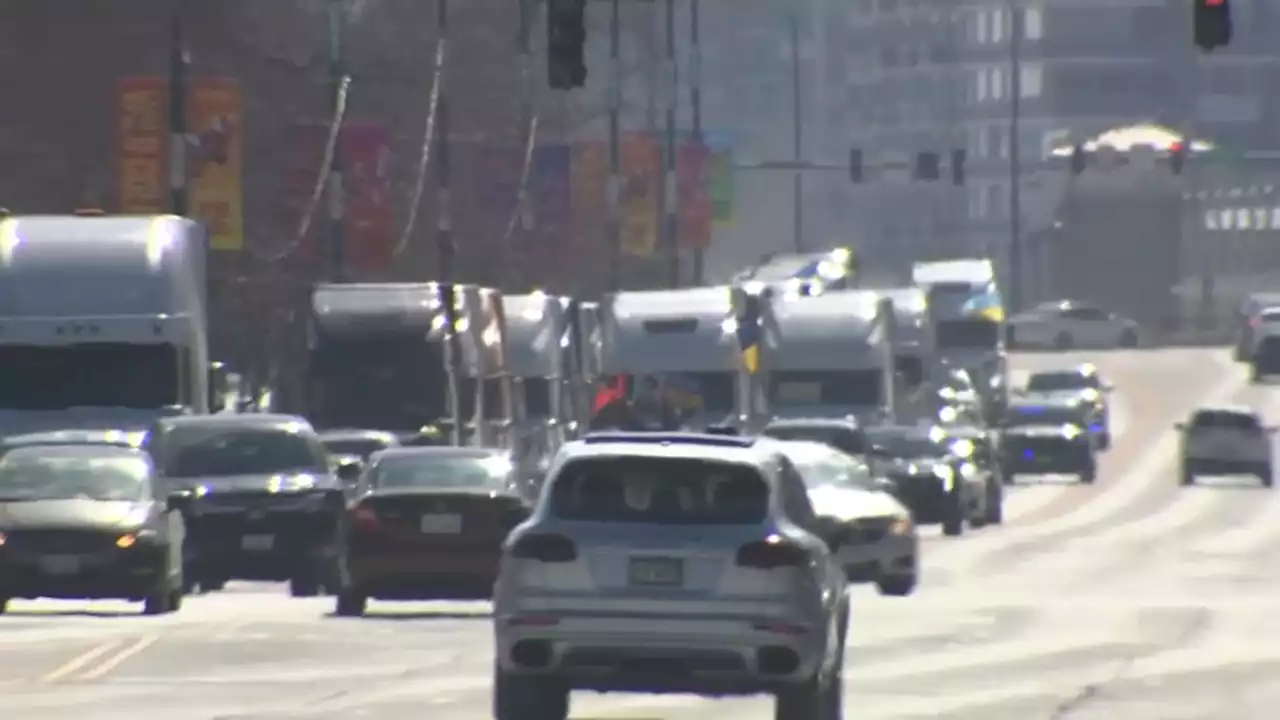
column 1066, row 324
column 1226, row 441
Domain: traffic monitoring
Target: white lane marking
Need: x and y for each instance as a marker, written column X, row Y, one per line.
column 1190, row 505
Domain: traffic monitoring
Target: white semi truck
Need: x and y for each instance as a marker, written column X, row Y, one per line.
column 102, row 321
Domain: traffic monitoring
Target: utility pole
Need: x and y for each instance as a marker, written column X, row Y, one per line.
column 797, row 136
column 1015, row 157
column 444, row 231
column 337, row 187
column 695, row 104
column 179, row 68
column 527, row 131
column 670, row 203
column 613, row 189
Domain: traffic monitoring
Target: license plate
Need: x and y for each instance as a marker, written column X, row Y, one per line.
column 441, row 524
column 257, row 542
column 657, row 572
column 60, row 564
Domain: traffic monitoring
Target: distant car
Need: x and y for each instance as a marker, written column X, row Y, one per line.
column 1049, row 437
column 428, row 523
column 1248, row 320
column 1226, row 441
column 879, row 539
column 264, row 502
column 670, row 563
column 1068, row 324
column 1264, row 351
column 115, row 438
column 935, row 482
column 88, row 521
column 361, row 443
column 847, row 436
column 1082, row 383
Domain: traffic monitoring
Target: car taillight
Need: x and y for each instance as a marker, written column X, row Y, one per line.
column 545, row 547
column 772, row 553
column 1255, row 322
column 364, row 519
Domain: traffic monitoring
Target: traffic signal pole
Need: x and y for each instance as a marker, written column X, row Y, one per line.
column 614, row 188
column 670, row 203
column 797, row 135
column 179, row 66
column 695, row 105
column 1015, row 158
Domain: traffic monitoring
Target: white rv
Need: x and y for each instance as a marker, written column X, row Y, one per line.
column 102, row 321
column 831, row 356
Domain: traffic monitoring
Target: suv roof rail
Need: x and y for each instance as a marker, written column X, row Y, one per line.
column 670, row 438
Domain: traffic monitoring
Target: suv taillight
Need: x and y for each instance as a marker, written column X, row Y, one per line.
column 771, row 554
column 545, row 547
column 364, row 519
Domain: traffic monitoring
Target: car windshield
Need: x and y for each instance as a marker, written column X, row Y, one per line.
column 658, row 490
column 364, row 447
column 441, row 472
column 843, row 439
column 910, row 446
column 222, row 452
column 31, row 475
column 1226, row 420
column 1059, row 381
column 1025, row 416
column 831, row 469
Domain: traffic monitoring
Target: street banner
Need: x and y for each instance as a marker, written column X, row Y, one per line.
column 141, row 139
column 693, row 169
column 641, row 183
column 215, row 160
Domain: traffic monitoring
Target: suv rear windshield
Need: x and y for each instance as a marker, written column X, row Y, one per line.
column 1226, row 421
column 666, row 491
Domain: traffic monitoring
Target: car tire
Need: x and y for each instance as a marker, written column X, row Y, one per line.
column 519, row 697
column 350, row 604
column 897, row 585
column 1063, row 341
column 1089, row 474
column 1129, row 339
column 1188, row 475
column 820, row 697
column 995, row 504
column 4, row 605
column 1104, row 440
column 1265, row 477
column 304, row 586
column 159, row 601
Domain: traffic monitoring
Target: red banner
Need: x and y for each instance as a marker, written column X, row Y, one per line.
column 693, row 168
column 142, row 138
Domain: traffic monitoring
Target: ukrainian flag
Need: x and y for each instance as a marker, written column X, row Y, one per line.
column 987, row 304
column 749, row 334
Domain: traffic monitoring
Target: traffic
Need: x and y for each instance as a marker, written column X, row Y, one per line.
column 660, row 492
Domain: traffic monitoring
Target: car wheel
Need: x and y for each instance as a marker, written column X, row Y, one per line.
column 995, row 504
column 956, row 512
column 1188, row 476
column 159, row 602
column 304, row 586
column 1063, row 341
column 350, row 604
column 1089, row 474
column 1256, row 373
column 1264, row 475
column 1129, row 339
column 175, row 599
column 4, row 605
column 517, row 697
column 1104, row 440
column 897, row 585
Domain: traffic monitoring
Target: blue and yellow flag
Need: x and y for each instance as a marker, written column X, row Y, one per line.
column 749, row 334
column 987, row 305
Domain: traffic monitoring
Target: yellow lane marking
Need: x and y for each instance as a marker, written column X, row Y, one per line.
column 98, row 661
column 82, row 660
column 120, row 658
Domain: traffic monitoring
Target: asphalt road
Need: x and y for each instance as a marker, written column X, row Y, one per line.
column 1131, row 599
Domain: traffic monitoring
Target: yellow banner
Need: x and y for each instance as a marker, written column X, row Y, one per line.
column 141, row 132
column 641, row 183
column 215, row 158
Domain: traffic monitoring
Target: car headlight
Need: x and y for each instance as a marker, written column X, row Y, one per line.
column 945, row 474
column 1071, row 432
column 900, row 525
column 948, row 414
column 947, row 393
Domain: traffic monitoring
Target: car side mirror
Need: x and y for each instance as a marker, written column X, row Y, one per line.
column 1180, row 426
column 349, row 471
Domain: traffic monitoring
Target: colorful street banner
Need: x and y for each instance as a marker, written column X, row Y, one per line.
column 215, row 158
column 549, row 185
column 641, row 184
column 589, row 176
column 720, row 177
column 370, row 220
column 693, row 167
column 141, row 139
column 307, row 144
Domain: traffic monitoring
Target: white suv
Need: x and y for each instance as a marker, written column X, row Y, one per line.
column 1225, row 441
column 670, row 563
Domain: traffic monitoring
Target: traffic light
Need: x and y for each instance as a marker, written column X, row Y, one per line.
column 566, row 44
column 928, row 166
column 957, row 166
column 1212, row 24
column 855, row 165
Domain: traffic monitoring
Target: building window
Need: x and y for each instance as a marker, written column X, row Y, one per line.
column 980, row 27
column 981, row 88
column 997, row 26
column 1033, row 23
column 1031, row 79
column 997, row 83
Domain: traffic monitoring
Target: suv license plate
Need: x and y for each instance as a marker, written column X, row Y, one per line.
column 60, row 564
column 657, row 572
column 441, row 524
